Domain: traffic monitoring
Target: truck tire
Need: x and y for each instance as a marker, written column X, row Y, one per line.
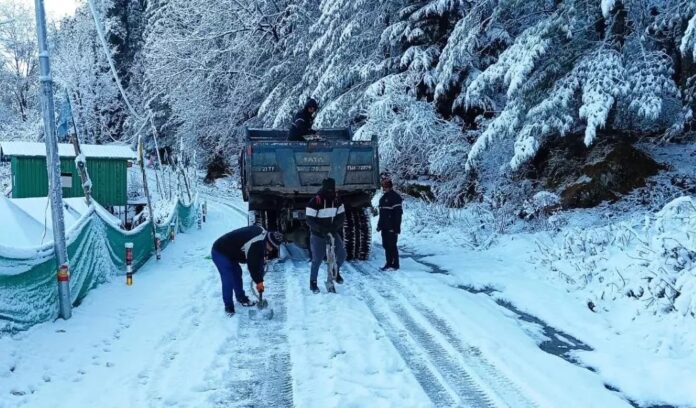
column 268, row 220
column 364, row 227
column 349, row 235
column 357, row 234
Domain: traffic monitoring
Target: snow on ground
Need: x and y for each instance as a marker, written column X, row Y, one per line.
column 159, row 342
column 638, row 344
column 456, row 326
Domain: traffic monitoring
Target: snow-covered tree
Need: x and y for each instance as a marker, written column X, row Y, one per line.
column 18, row 60
column 81, row 70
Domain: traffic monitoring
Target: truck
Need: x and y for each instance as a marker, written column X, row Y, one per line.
column 279, row 177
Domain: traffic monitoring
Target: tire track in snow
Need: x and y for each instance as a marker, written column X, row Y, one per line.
column 439, row 375
column 475, row 363
column 263, row 366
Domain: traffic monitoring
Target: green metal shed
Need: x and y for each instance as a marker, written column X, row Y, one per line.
column 107, row 166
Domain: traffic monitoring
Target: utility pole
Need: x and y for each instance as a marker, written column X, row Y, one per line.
column 153, row 223
column 80, row 161
column 55, row 189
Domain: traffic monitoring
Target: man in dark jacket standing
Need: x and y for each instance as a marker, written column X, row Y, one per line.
column 303, row 121
column 247, row 245
column 325, row 214
column 389, row 223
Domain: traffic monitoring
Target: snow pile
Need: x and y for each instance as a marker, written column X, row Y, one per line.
column 472, row 227
column 27, row 222
column 653, row 262
column 163, row 211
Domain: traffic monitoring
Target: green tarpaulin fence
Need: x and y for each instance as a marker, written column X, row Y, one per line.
column 96, row 252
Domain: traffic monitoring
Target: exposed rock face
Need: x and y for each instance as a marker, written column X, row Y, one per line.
column 584, row 177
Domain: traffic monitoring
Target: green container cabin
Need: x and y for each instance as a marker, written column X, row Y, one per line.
column 107, row 166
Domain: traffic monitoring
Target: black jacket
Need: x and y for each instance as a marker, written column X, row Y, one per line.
column 301, row 126
column 325, row 214
column 390, row 212
column 245, row 245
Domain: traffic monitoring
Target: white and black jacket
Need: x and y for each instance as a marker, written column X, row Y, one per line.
column 245, row 245
column 325, row 214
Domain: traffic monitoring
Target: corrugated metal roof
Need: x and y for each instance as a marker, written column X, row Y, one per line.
column 32, row 149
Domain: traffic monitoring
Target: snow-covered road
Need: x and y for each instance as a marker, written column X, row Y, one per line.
column 405, row 339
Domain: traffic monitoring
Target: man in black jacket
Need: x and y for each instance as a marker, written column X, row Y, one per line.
column 325, row 214
column 389, row 223
column 303, row 121
column 247, row 245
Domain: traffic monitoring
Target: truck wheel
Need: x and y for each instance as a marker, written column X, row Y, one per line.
column 253, row 218
column 268, row 220
column 349, row 235
column 365, row 229
column 357, row 234
column 271, row 221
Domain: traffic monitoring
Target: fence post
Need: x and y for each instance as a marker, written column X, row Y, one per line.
column 199, row 217
column 153, row 223
column 172, row 231
column 64, row 288
column 129, row 263
column 205, row 210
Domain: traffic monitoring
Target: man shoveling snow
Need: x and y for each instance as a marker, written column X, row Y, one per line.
column 248, row 245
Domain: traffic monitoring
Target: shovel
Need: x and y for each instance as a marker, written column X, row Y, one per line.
column 262, row 311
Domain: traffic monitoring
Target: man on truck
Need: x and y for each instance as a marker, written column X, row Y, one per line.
column 303, row 121
column 325, row 215
column 248, row 245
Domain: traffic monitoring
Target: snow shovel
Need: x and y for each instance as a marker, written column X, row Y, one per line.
column 331, row 267
column 262, row 311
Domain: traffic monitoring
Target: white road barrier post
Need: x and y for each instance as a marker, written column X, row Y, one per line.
column 129, row 263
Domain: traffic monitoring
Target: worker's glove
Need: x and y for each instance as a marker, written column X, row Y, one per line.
column 259, row 287
column 379, row 229
column 375, row 211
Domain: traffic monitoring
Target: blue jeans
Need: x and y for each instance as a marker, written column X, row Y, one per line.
column 319, row 253
column 231, row 278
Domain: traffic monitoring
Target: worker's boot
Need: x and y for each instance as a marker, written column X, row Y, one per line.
column 247, row 302
column 339, row 278
column 229, row 310
column 313, row 286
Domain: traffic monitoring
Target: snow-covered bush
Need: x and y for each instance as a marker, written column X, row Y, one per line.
column 541, row 209
column 654, row 263
column 473, row 227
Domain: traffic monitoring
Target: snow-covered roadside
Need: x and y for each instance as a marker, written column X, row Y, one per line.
column 128, row 346
column 649, row 355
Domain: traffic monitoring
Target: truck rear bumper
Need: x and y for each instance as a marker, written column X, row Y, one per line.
column 273, row 201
